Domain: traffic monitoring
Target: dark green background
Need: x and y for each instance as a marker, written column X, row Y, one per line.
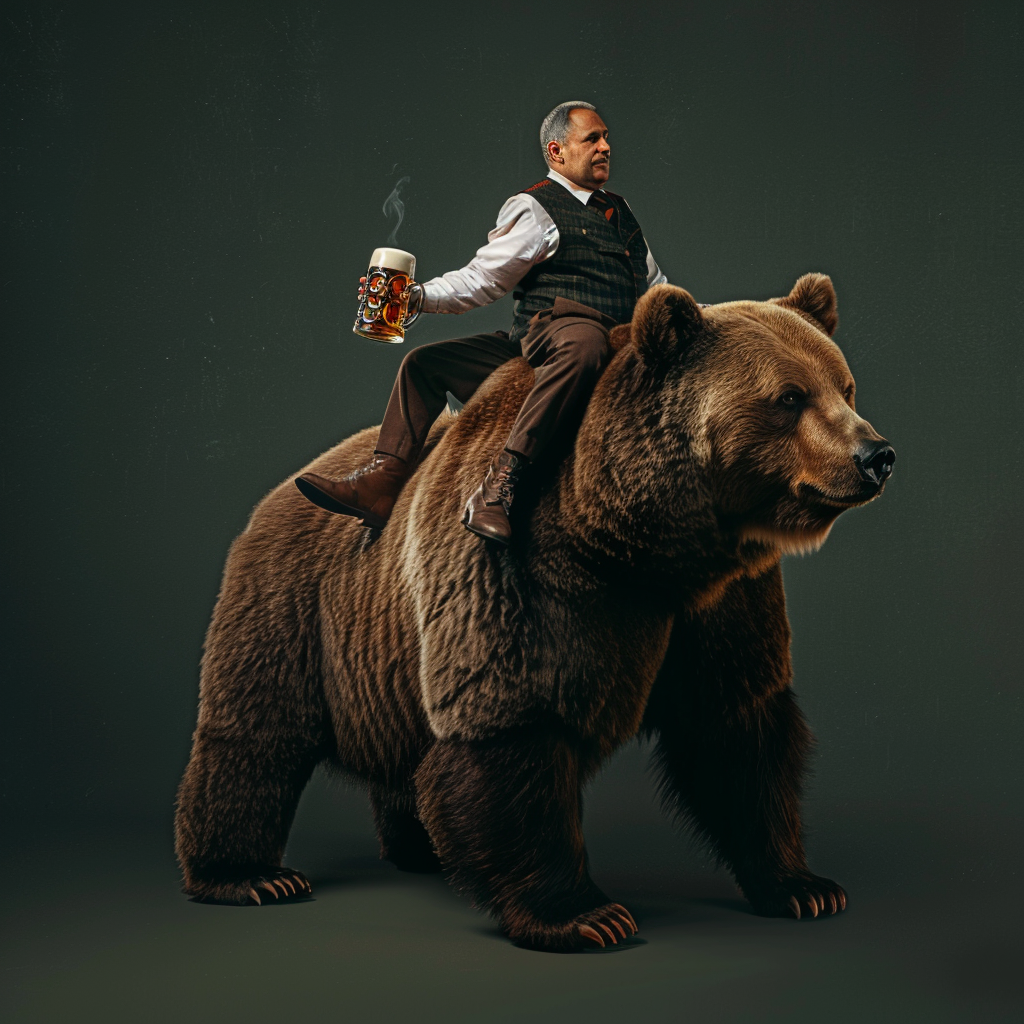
column 188, row 197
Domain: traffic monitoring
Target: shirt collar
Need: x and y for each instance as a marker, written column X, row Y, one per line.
column 582, row 194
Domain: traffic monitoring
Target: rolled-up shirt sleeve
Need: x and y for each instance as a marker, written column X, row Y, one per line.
column 524, row 235
column 655, row 275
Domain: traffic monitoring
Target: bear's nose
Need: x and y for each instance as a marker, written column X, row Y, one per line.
column 874, row 460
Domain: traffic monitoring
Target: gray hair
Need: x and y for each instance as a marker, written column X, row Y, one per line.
column 555, row 126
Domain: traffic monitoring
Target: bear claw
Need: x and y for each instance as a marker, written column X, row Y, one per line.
column 800, row 895
column 284, row 884
column 297, row 881
column 626, row 916
column 608, row 925
column 610, row 919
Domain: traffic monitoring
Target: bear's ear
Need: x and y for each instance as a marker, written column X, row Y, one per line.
column 814, row 295
column 665, row 322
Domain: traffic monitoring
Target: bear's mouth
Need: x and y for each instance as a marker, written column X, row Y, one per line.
column 841, row 500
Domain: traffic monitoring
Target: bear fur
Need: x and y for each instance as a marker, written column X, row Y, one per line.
column 476, row 690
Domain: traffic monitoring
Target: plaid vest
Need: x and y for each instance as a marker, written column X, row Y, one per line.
column 599, row 262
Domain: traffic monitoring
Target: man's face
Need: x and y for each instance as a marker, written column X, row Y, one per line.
column 584, row 156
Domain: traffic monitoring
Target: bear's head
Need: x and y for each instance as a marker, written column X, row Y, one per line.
column 740, row 414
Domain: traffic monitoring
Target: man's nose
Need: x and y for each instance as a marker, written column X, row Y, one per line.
column 874, row 460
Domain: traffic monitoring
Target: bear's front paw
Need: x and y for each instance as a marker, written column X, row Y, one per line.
column 608, row 925
column 253, row 888
column 799, row 895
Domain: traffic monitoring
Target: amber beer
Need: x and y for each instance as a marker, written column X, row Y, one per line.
column 384, row 306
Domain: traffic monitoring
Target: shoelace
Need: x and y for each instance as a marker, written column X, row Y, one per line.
column 370, row 467
column 506, row 481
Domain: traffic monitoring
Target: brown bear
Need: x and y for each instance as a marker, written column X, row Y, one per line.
column 476, row 690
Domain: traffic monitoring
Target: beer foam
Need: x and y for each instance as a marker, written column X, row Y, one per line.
column 394, row 259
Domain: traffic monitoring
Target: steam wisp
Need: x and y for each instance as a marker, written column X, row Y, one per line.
column 394, row 207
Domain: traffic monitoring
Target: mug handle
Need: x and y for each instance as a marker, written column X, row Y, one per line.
column 415, row 292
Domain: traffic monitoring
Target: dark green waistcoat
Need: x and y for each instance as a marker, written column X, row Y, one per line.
column 597, row 263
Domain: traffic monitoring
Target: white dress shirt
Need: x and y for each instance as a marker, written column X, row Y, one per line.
column 524, row 236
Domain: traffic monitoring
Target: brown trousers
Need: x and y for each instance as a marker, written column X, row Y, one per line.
column 567, row 346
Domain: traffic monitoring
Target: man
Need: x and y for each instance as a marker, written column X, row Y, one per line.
column 578, row 262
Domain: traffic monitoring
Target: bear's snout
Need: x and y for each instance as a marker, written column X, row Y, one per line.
column 874, row 461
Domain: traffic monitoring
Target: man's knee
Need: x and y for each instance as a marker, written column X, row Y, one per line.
column 416, row 358
column 425, row 360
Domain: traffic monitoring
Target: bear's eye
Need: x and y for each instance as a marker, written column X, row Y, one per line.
column 792, row 399
column 848, row 393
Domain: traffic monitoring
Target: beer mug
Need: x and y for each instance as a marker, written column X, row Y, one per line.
column 384, row 305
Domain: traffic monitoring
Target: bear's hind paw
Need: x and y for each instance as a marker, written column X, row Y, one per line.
column 264, row 886
column 802, row 895
column 609, row 925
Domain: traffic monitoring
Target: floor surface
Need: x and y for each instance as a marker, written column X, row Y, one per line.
column 95, row 930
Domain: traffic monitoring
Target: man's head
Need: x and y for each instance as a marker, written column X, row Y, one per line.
column 575, row 143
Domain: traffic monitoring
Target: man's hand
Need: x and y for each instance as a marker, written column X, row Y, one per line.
column 416, row 297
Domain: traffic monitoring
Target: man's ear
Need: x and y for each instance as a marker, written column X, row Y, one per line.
column 814, row 295
column 665, row 322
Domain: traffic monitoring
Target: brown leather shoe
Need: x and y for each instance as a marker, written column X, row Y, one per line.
column 487, row 510
column 369, row 493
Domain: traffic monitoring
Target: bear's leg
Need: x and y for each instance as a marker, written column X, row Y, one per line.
column 737, row 777
column 236, row 803
column 403, row 839
column 733, row 746
column 504, row 816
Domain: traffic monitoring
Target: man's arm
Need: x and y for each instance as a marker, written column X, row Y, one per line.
column 655, row 275
column 524, row 235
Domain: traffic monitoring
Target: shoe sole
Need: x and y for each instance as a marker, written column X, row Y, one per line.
column 322, row 500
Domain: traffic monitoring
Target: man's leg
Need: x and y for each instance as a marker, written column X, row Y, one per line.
column 568, row 354
column 418, row 397
column 426, row 374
